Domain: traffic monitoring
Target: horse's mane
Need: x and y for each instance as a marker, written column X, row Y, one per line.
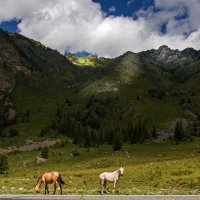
column 119, row 172
column 38, row 180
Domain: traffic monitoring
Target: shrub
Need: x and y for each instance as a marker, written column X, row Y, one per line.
column 75, row 153
column 3, row 164
column 13, row 132
column 63, row 143
column 45, row 152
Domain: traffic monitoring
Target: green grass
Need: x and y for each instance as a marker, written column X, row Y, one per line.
column 149, row 168
column 41, row 101
column 87, row 61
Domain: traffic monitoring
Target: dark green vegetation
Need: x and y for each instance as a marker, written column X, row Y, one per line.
column 3, row 164
column 92, row 99
column 101, row 105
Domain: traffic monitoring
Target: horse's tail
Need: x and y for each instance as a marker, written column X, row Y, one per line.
column 60, row 179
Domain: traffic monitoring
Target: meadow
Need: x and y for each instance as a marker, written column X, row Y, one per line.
column 150, row 168
column 136, row 88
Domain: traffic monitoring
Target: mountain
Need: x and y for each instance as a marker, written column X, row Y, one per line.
column 170, row 59
column 29, row 66
column 44, row 93
column 157, row 86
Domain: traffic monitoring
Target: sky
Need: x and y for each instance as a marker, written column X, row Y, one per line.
column 105, row 28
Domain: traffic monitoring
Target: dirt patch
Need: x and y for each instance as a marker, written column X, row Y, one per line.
column 171, row 126
column 192, row 114
column 169, row 130
column 29, row 146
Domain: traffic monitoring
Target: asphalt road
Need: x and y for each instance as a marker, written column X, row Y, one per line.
column 100, row 197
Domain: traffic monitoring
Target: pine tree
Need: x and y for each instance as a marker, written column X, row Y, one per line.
column 87, row 139
column 154, row 132
column 133, row 132
column 179, row 132
column 110, row 136
column 117, row 144
column 195, row 127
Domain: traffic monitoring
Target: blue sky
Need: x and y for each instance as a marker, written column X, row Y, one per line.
column 104, row 27
column 123, row 7
column 10, row 26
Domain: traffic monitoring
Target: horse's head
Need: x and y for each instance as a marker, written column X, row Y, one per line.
column 37, row 189
column 121, row 171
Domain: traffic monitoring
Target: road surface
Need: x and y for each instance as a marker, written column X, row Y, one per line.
column 100, row 197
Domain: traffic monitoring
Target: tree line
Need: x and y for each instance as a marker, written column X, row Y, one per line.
column 86, row 125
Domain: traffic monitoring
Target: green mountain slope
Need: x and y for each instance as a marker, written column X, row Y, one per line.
column 87, row 61
column 42, row 91
column 30, row 76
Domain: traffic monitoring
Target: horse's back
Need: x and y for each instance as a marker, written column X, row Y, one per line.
column 107, row 176
column 50, row 177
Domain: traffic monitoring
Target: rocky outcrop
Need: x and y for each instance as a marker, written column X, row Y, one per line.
column 165, row 56
column 40, row 160
column 191, row 53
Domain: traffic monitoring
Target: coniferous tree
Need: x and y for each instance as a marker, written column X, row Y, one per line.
column 125, row 134
column 97, row 138
column 179, row 132
column 133, row 133
column 1, row 130
column 110, row 136
column 87, row 139
column 101, row 136
column 117, row 143
column 77, row 133
column 154, row 132
column 195, row 127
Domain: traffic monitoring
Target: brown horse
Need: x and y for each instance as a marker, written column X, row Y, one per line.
column 48, row 178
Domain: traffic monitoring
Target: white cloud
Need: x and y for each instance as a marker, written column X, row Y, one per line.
column 77, row 25
column 112, row 9
column 130, row 2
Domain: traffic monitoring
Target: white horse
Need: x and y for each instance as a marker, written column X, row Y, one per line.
column 110, row 177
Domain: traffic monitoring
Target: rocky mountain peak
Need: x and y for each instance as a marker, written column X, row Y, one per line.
column 164, row 47
column 192, row 53
column 169, row 57
column 163, row 53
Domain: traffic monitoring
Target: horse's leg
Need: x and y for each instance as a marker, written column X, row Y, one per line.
column 54, row 188
column 114, row 184
column 60, row 185
column 102, row 186
column 45, row 188
column 105, row 187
